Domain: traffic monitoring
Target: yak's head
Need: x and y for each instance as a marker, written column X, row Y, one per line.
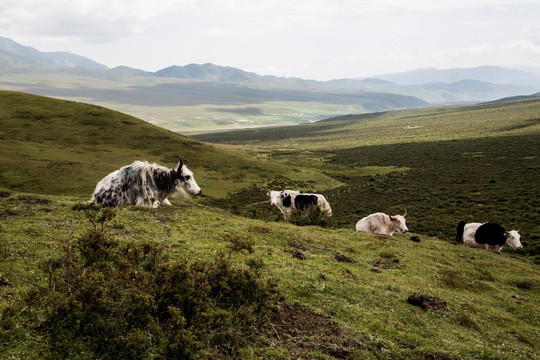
column 399, row 222
column 185, row 182
column 274, row 197
column 513, row 239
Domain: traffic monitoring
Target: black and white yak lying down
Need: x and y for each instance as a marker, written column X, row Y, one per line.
column 145, row 184
column 289, row 200
column 489, row 236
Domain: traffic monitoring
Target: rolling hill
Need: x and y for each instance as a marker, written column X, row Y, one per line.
column 203, row 97
column 375, row 157
column 62, row 147
column 445, row 164
column 196, row 280
column 184, row 98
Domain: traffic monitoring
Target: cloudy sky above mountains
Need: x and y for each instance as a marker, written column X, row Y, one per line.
column 312, row 39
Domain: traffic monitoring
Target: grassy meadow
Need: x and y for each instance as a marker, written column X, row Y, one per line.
column 41, row 137
column 223, row 276
column 475, row 163
column 189, row 106
column 342, row 295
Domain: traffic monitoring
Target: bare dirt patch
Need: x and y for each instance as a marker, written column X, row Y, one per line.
column 302, row 331
column 342, row 258
column 427, row 302
column 6, row 214
column 386, row 263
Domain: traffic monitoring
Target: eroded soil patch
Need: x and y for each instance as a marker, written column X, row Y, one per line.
column 302, row 331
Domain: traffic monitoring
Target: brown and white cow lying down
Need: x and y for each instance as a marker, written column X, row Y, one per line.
column 288, row 201
column 489, row 236
column 382, row 224
column 145, row 184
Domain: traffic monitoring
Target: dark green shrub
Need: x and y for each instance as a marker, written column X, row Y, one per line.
column 310, row 216
column 111, row 300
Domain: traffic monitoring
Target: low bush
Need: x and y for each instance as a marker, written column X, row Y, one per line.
column 113, row 300
column 311, row 216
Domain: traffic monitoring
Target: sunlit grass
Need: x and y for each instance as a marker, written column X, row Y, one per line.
column 478, row 286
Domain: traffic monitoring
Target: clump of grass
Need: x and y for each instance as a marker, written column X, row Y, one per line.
column 311, row 216
column 454, row 279
column 467, row 321
column 4, row 248
column 526, row 284
column 524, row 338
column 113, row 300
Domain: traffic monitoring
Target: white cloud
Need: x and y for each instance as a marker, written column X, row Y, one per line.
column 277, row 71
column 479, row 23
column 308, row 38
column 88, row 20
column 527, row 51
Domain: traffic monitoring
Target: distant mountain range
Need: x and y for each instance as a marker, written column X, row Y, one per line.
column 489, row 74
column 14, row 56
column 66, row 75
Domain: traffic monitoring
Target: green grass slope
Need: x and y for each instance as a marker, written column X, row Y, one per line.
column 460, row 122
column 475, row 163
column 52, row 146
column 343, row 294
column 187, row 105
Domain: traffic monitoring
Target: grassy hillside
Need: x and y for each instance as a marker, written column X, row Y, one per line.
column 62, row 147
column 193, row 105
column 198, row 281
column 343, row 295
column 444, row 165
column 458, row 122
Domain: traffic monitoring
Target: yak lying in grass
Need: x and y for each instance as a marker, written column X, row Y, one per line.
column 382, row 224
column 288, row 201
column 145, row 184
column 489, row 236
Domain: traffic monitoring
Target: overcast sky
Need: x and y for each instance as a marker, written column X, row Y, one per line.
column 312, row 39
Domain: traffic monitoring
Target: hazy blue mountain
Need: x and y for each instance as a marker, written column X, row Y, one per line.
column 128, row 71
column 61, row 74
column 530, row 69
column 473, row 90
column 516, row 98
column 25, row 54
column 16, row 64
column 429, row 84
column 231, row 75
column 193, row 84
column 11, row 47
column 490, row 74
column 469, row 86
column 208, row 72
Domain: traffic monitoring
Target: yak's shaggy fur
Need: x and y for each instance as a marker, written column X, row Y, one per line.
column 144, row 184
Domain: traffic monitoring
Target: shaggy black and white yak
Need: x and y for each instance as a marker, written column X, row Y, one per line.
column 145, row 184
column 489, row 236
column 382, row 224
